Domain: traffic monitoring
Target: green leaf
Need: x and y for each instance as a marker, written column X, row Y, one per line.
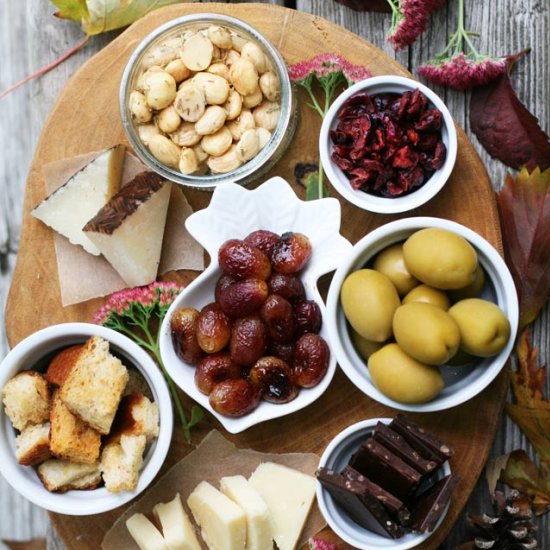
column 76, row 10
column 197, row 414
column 315, row 189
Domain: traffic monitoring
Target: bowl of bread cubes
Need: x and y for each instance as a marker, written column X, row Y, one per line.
column 85, row 421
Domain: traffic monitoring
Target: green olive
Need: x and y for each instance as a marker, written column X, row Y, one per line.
column 426, row 332
column 390, row 262
column 428, row 295
column 402, row 378
column 473, row 290
column 365, row 348
column 369, row 300
column 484, row 328
column 440, row 258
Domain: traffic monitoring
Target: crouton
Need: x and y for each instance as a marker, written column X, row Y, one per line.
column 26, row 398
column 62, row 364
column 136, row 415
column 60, row 476
column 70, row 438
column 121, row 463
column 93, row 388
column 137, row 384
column 32, row 445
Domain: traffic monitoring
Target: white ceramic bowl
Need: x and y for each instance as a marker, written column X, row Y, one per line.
column 34, row 353
column 233, row 213
column 461, row 383
column 336, row 457
column 367, row 201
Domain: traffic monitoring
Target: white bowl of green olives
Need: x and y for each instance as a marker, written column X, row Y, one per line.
column 422, row 315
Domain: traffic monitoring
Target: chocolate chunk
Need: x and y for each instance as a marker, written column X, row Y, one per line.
column 426, row 444
column 398, row 446
column 386, row 469
column 392, row 504
column 431, row 504
column 360, row 505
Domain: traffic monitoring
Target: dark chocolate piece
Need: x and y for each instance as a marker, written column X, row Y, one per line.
column 431, row 504
column 392, row 504
column 386, row 469
column 360, row 505
column 426, row 444
column 398, row 446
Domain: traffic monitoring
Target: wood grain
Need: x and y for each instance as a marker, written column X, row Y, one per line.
column 71, row 131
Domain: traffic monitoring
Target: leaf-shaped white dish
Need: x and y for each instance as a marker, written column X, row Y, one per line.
column 233, row 213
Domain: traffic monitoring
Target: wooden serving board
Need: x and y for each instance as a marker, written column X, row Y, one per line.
column 86, row 118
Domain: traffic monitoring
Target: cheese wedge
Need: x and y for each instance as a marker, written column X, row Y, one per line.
column 289, row 495
column 68, row 208
column 146, row 535
column 258, row 522
column 129, row 229
column 222, row 522
column 176, row 526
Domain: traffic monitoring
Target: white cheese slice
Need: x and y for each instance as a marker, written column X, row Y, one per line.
column 146, row 535
column 222, row 522
column 129, row 229
column 289, row 495
column 68, row 208
column 176, row 526
column 258, row 523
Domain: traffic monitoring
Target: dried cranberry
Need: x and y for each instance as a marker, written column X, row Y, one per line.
column 429, row 120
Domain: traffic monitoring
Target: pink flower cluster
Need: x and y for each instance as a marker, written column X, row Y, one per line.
column 462, row 72
column 148, row 296
column 323, row 64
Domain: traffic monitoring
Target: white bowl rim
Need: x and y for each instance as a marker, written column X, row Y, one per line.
column 97, row 500
column 413, row 224
column 392, row 544
column 384, row 205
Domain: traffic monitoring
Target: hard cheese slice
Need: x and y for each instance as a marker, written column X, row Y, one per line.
column 129, row 229
column 176, row 526
column 68, row 208
column 258, row 525
column 222, row 522
column 289, row 495
column 146, row 535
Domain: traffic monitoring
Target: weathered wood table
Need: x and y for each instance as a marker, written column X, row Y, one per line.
column 30, row 38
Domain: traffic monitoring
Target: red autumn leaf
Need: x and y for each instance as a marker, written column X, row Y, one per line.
column 524, row 208
column 367, row 5
column 505, row 127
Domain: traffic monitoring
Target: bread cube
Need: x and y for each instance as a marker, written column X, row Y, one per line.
column 62, row 364
column 121, row 463
column 60, row 476
column 32, row 445
column 136, row 415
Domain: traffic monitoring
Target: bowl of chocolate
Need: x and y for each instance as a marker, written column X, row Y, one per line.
column 388, row 144
column 385, row 483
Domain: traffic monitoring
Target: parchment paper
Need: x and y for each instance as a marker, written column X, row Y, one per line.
column 213, row 459
column 83, row 276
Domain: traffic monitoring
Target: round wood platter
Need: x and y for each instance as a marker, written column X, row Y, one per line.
column 86, row 118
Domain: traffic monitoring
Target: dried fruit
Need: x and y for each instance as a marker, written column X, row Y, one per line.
column 183, row 327
column 222, row 283
column 278, row 316
column 291, row 253
column 273, row 377
column 214, row 369
column 243, row 297
column 248, row 341
column 234, row 397
column 307, row 317
column 287, row 286
column 242, row 261
column 213, row 328
column 284, row 351
column 263, row 239
column 311, row 357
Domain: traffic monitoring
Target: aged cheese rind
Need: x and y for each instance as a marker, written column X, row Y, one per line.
column 222, row 522
column 69, row 208
column 258, row 522
column 289, row 495
column 146, row 535
column 177, row 529
column 129, row 229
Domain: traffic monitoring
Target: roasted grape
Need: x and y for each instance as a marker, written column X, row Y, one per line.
column 222, row 283
column 248, row 341
column 273, row 377
column 307, row 317
column 243, row 297
column 234, row 397
column 288, row 286
column 264, row 240
column 213, row 369
column 284, row 351
column 311, row 357
column 291, row 253
column 183, row 327
column 243, row 261
column 213, row 328
column 278, row 316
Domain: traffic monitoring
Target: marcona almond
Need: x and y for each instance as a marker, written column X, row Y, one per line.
column 267, row 114
column 215, row 88
column 168, row 119
column 233, row 105
column 220, row 36
column 197, row 52
column 253, row 53
column 243, row 122
column 226, row 162
column 248, row 146
column 244, row 76
column 190, row 102
column 253, row 100
column 146, row 132
column 188, row 162
column 178, row 70
column 217, row 144
column 270, row 86
column 185, row 135
column 139, row 109
column 212, row 120
column 165, row 151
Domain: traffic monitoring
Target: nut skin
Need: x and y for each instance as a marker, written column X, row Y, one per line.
column 213, row 328
column 311, row 358
column 291, row 253
column 241, row 260
column 288, row 286
column 278, row 316
column 307, row 317
column 234, row 397
column 214, row 369
column 263, row 239
column 273, row 377
column 183, row 328
column 248, row 341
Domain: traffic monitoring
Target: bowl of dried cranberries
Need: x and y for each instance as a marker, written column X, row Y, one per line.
column 388, row 144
